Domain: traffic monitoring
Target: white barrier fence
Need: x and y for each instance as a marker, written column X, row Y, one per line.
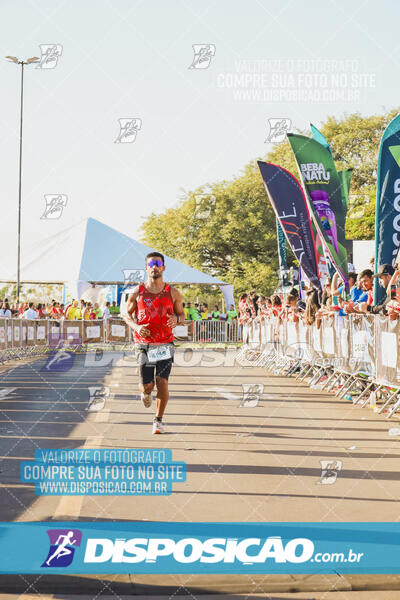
column 215, row 331
column 358, row 355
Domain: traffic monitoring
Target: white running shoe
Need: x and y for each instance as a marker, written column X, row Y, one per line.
column 146, row 399
column 158, row 427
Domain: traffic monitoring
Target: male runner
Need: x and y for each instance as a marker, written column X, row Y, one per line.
column 153, row 310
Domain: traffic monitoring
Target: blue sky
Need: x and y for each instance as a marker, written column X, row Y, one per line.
column 130, row 59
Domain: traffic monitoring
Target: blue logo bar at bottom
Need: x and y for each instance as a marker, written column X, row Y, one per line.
column 215, row 548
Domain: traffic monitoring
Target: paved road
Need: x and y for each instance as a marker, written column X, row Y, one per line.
column 245, row 463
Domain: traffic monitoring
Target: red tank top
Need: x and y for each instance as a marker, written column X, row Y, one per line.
column 154, row 310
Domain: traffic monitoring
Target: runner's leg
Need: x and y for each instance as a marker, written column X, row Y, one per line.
column 146, row 383
column 162, row 396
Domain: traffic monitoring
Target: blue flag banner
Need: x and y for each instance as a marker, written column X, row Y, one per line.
column 319, row 137
column 151, row 547
column 387, row 215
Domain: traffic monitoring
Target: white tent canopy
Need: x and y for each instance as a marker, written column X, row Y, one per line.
column 91, row 251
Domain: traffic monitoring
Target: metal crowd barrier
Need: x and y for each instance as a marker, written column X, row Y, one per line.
column 357, row 356
column 214, row 331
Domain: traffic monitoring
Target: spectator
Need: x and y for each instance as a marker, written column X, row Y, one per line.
column 114, row 310
column 5, row 310
column 386, row 279
column 97, row 311
column 260, row 304
column 194, row 314
column 204, row 311
column 215, row 314
column 290, row 311
column 365, row 299
column 312, row 306
column 40, row 313
column 186, row 310
column 73, row 313
column 253, row 302
column 276, row 305
column 326, row 297
column 30, row 313
column 55, row 312
column 106, row 311
column 372, row 264
column 69, row 306
column 232, row 314
column 86, row 312
column 83, row 308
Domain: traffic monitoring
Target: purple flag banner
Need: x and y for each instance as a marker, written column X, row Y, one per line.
column 288, row 201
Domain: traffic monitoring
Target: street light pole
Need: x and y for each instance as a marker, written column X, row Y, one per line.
column 22, row 63
column 20, row 182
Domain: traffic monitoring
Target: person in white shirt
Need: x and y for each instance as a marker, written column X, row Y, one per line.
column 30, row 313
column 5, row 310
column 106, row 311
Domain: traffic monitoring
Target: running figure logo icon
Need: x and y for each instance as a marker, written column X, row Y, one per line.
column 55, row 204
column 50, row 55
column 97, row 398
column 203, row 53
column 59, row 361
column 278, row 129
column 62, row 547
column 251, row 394
column 329, row 471
column 134, row 276
column 128, row 129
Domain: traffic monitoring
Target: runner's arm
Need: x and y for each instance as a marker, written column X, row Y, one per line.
column 179, row 314
column 130, row 316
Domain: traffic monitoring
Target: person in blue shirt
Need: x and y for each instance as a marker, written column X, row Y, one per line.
column 339, row 293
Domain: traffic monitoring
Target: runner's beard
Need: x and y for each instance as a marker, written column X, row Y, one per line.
column 156, row 275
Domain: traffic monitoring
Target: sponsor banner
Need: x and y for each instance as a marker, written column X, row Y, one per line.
column 387, row 214
column 324, row 196
column 344, row 176
column 288, row 201
column 276, row 548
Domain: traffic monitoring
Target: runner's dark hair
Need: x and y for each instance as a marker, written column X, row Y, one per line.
column 156, row 255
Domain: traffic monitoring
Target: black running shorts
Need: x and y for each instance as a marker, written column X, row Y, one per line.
column 162, row 368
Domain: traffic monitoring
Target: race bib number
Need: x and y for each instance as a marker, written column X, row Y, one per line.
column 159, row 353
